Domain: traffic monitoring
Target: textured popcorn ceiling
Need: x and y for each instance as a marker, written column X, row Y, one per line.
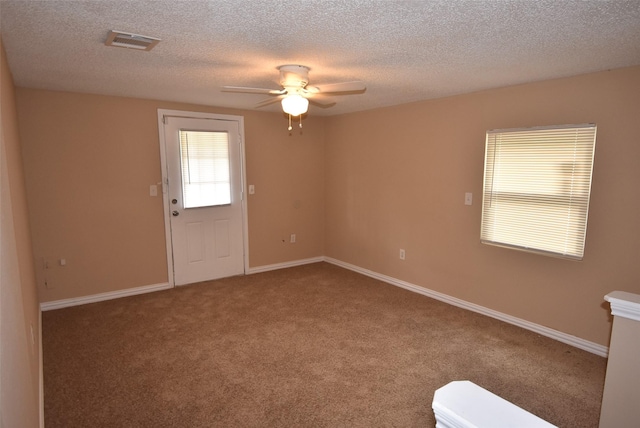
column 403, row 50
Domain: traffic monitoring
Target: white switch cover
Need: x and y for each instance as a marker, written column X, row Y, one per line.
column 468, row 198
column 252, row 189
column 153, row 190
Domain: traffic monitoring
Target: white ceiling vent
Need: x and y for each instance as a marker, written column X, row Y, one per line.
column 130, row 40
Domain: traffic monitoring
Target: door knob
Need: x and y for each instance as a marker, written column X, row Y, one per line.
column 175, row 213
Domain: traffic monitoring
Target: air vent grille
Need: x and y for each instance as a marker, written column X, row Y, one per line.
column 130, row 40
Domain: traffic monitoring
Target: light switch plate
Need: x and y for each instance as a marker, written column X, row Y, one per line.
column 468, row 198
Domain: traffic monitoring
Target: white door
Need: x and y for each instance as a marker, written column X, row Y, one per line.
column 204, row 194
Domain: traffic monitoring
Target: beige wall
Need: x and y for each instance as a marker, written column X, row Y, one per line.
column 90, row 160
column 396, row 178
column 19, row 313
column 377, row 181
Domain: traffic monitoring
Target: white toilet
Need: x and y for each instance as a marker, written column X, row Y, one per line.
column 463, row 404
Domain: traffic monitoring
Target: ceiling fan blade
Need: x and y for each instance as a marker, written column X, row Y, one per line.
column 269, row 101
column 247, row 90
column 322, row 104
column 356, row 87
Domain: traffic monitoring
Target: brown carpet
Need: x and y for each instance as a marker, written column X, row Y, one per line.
column 310, row 346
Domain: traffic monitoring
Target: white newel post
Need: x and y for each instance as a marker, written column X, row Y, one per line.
column 620, row 401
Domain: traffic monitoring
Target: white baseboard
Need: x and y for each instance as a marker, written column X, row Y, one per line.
column 75, row 301
column 574, row 341
column 284, row 265
column 577, row 342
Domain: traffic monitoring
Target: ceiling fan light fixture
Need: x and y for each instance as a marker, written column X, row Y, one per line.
column 295, row 105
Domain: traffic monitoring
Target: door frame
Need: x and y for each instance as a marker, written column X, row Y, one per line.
column 162, row 113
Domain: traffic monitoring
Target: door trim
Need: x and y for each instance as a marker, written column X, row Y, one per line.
column 165, row 180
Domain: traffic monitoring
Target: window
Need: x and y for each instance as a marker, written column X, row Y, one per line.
column 204, row 157
column 537, row 184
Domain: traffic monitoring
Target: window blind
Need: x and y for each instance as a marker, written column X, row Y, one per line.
column 537, row 185
column 204, row 159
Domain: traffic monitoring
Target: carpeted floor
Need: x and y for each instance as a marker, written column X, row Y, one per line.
column 310, row 346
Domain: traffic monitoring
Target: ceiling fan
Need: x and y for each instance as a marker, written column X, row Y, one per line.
column 295, row 93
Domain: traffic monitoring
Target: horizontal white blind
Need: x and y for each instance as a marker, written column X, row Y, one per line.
column 537, row 185
column 205, row 168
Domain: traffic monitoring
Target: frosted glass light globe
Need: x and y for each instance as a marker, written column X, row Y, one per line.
column 295, row 105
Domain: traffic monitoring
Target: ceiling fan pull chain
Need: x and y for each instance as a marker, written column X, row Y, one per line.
column 300, row 121
column 290, row 128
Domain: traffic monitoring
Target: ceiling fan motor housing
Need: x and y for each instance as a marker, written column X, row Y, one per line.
column 294, row 76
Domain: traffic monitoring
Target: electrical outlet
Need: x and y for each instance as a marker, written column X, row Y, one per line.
column 402, row 254
column 292, row 239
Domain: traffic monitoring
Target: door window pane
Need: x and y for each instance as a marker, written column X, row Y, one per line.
column 204, row 159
